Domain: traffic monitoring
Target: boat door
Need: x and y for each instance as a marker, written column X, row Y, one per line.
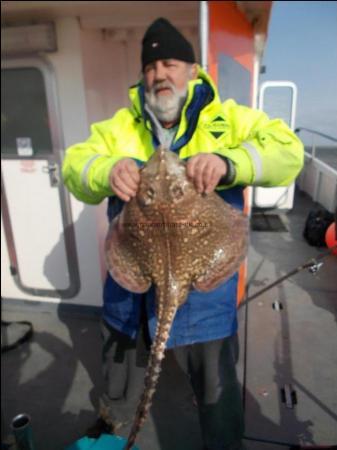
column 279, row 100
column 36, row 215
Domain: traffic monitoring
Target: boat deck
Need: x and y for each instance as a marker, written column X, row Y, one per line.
column 287, row 355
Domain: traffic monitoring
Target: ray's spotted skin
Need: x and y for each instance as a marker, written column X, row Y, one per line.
column 177, row 239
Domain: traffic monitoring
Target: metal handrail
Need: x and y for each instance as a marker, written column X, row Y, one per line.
column 312, row 155
column 321, row 167
column 318, row 133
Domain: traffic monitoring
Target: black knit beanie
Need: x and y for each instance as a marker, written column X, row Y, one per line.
column 163, row 41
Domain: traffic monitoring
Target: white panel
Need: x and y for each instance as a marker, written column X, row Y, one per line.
column 307, row 178
column 105, row 74
column 327, row 193
column 67, row 64
column 28, row 39
column 69, row 70
column 278, row 197
column 320, row 182
column 36, row 220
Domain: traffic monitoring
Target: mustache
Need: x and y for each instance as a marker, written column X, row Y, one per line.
column 162, row 85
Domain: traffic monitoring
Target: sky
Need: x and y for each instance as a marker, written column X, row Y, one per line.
column 302, row 48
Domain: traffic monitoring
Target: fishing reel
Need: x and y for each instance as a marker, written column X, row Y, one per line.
column 315, row 267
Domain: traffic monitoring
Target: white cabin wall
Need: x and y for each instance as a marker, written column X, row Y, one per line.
column 105, row 70
column 69, row 69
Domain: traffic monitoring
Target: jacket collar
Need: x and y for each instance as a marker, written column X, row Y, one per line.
column 202, row 93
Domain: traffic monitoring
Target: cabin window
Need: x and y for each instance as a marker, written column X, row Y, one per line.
column 25, row 127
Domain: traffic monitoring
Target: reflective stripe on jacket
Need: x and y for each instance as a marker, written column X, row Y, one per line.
column 265, row 153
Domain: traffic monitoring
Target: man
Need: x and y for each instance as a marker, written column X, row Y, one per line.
column 226, row 147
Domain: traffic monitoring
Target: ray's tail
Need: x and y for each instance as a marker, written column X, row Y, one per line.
column 153, row 370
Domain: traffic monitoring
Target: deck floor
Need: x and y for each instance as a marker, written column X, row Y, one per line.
column 56, row 376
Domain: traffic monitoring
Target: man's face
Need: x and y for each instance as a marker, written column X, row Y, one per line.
column 166, row 84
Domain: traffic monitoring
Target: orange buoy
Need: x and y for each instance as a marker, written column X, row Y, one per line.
column 331, row 237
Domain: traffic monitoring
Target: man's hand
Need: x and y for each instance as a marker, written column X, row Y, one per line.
column 206, row 169
column 124, row 179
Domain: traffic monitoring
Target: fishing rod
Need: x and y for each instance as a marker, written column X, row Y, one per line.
column 312, row 264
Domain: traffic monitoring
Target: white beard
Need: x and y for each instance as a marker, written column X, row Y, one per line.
column 167, row 108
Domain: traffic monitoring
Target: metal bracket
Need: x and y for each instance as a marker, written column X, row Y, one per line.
column 288, row 395
column 277, row 305
column 54, row 174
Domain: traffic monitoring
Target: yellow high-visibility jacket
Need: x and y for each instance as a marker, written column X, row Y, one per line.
column 265, row 152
